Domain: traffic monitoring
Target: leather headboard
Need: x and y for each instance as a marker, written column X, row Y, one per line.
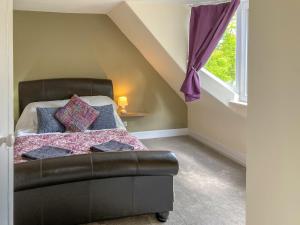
column 60, row 89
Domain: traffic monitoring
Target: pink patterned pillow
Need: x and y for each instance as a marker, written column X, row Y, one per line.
column 76, row 115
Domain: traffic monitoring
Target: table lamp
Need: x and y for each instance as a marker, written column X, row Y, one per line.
column 122, row 103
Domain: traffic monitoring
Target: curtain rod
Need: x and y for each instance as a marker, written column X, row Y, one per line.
column 196, row 3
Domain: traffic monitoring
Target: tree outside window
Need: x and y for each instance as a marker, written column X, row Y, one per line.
column 222, row 62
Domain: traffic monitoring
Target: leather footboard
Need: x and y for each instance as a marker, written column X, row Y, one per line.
column 88, row 188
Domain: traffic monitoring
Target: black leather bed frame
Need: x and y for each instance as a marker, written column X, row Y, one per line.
column 87, row 188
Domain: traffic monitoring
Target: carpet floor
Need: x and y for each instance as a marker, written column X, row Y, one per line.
column 209, row 189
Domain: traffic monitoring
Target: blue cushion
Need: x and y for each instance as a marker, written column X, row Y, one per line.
column 47, row 123
column 105, row 120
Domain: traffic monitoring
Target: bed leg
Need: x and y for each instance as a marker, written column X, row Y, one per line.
column 162, row 217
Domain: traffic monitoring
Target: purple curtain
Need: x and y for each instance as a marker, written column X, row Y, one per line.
column 207, row 25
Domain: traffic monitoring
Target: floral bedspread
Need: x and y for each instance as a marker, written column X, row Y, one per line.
column 79, row 142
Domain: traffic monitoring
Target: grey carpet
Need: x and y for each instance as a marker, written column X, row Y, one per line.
column 209, row 190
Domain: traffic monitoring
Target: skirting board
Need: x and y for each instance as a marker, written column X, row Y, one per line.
column 234, row 155
column 160, row 133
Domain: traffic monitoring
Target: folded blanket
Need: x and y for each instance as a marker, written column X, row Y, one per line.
column 111, row 146
column 46, row 152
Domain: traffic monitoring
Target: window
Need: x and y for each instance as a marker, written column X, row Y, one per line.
column 229, row 60
column 222, row 62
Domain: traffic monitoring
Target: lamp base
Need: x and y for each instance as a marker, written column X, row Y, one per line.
column 123, row 111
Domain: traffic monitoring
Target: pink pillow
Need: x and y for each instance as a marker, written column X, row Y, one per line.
column 76, row 115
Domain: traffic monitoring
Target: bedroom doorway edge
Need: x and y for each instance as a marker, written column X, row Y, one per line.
column 6, row 112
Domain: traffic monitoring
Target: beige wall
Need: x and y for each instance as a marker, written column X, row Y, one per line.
column 51, row 45
column 273, row 160
column 219, row 125
column 164, row 27
column 157, row 31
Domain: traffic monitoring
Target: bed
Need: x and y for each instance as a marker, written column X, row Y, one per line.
column 87, row 187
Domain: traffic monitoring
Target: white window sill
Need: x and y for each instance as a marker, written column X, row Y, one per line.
column 239, row 103
column 239, row 107
column 222, row 92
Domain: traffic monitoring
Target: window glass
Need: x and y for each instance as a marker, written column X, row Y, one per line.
column 222, row 62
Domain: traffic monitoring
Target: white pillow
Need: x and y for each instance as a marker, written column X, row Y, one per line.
column 28, row 123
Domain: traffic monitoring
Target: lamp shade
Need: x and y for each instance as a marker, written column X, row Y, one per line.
column 122, row 101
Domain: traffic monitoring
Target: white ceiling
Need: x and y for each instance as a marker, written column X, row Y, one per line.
column 67, row 6
column 84, row 6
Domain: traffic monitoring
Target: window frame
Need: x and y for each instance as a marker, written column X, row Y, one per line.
column 241, row 86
